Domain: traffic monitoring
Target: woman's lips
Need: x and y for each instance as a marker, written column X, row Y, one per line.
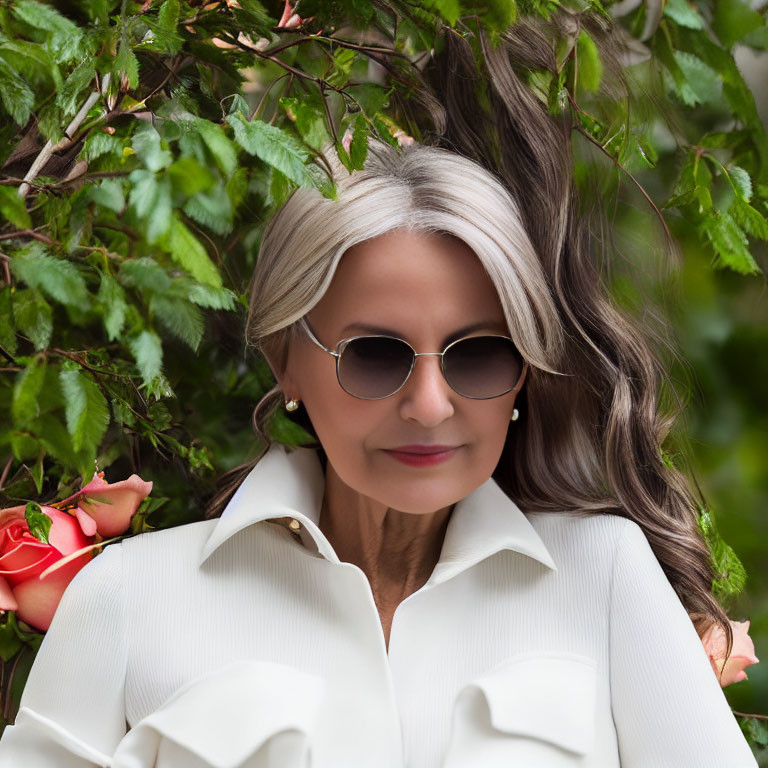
column 423, row 455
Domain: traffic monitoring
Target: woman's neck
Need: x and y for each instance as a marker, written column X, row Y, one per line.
column 396, row 550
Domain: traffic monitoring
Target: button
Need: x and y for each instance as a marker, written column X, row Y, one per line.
column 294, row 525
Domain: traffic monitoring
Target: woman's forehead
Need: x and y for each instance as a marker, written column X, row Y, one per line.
column 411, row 274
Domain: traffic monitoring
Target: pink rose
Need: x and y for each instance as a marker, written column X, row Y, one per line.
column 108, row 508
column 23, row 558
column 34, row 574
column 742, row 653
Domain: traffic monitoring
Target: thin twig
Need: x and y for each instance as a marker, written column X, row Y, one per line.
column 287, row 67
column 79, row 361
column 50, row 147
column 29, row 233
column 266, row 93
column 747, row 714
column 636, row 182
column 328, row 115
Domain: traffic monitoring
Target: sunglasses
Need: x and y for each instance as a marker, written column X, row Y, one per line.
column 375, row 367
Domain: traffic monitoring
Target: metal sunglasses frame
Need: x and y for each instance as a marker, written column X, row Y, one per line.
column 342, row 345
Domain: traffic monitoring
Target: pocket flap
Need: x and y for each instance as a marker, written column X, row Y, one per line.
column 530, row 699
column 546, row 697
column 225, row 717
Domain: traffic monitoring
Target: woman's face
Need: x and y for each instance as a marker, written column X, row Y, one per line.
column 423, row 288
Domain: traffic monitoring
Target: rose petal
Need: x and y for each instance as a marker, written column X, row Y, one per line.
column 87, row 523
column 7, row 600
column 113, row 505
column 19, row 575
column 39, row 598
column 65, row 535
column 10, row 514
column 730, row 671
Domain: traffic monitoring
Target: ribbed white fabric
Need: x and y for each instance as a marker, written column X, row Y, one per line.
column 540, row 640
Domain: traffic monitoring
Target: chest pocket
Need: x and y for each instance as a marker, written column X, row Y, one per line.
column 530, row 710
column 245, row 715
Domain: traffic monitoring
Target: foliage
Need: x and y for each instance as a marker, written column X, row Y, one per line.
column 144, row 146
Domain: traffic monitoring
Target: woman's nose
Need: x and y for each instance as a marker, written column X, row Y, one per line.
column 426, row 397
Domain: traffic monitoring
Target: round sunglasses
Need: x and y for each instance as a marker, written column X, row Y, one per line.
column 375, row 367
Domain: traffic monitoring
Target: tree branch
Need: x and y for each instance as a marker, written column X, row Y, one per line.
column 50, row 147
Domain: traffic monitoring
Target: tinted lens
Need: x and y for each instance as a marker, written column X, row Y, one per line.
column 374, row 366
column 483, row 366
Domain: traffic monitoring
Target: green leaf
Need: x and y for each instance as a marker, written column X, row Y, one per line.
column 86, row 410
column 12, row 207
column 190, row 177
column 99, row 144
column 57, row 443
column 741, row 182
column 151, row 199
column 308, row 118
column 280, row 188
column 342, row 62
column 188, row 251
column 701, row 83
column 147, row 144
column 183, row 319
column 26, row 390
column 33, row 316
column 501, row 14
column 731, row 575
column 219, row 144
column 358, row 147
column 68, row 97
column 58, row 278
column 109, row 194
column 46, row 17
column 168, row 38
column 590, row 68
column 112, row 299
column 211, row 209
column 733, row 19
column 273, row 146
column 148, row 352
column 126, row 64
column 36, row 473
column 10, row 644
column 684, row 13
column 39, row 523
column 8, row 339
column 749, row 219
column 757, row 38
column 145, row 274
column 448, row 9
column 210, row 297
column 17, row 97
column 739, row 96
column 730, row 243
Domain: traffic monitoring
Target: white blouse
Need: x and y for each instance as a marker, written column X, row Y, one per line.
column 541, row 640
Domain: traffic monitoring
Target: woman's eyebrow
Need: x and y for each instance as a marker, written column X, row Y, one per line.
column 378, row 330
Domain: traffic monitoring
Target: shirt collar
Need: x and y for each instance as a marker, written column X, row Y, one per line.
column 291, row 483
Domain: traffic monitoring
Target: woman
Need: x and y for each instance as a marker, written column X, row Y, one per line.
column 450, row 576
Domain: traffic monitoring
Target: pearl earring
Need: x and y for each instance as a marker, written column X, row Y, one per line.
column 515, row 415
column 292, row 404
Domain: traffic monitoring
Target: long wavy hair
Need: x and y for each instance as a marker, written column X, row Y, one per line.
column 498, row 175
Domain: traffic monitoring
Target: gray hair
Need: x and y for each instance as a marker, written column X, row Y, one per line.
column 417, row 188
